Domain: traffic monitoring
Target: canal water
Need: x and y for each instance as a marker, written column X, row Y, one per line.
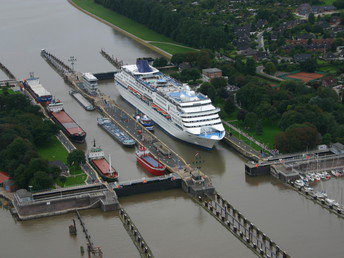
column 172, row 224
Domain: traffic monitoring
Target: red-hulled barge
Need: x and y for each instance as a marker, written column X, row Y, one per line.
column 100, row 164
column 149, row 162
column 74, row 132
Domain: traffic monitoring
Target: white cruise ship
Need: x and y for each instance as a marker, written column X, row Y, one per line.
column 181, row 112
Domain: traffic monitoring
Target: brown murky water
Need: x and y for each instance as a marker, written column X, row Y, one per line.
column 172, row 224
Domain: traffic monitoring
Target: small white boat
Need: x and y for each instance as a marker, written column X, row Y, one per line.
column 331, row 202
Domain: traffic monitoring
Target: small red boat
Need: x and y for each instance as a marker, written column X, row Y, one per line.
column 149, row 162
column 97, row 159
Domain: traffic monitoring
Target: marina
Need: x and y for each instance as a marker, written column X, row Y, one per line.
column 264, row 200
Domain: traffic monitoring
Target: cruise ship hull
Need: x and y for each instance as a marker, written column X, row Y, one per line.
column 165, row 124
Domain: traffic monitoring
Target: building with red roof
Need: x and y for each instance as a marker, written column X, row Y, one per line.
column 4, row 177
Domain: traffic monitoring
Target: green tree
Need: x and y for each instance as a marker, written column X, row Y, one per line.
column 160, row 62
column 339, row 4
column 259, row 127
column 178, row 59
column 327, row 138
column 310, row 65
column 219, row 82
column 241, row 114
column 270, row 68
column 251, row 66
column 299, row 137
column 41, row 180
column 250, row 120
column 311, row 18
column 76, row 157
column 229, row 106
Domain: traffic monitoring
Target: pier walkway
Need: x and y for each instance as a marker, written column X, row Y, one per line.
column 91, row 249
column 194, row 182
column 7, row 72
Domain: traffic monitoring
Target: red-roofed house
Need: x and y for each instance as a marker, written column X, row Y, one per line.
column 4, row 177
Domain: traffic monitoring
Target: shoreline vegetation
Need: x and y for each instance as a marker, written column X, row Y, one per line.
column 55, row 150
column 140, row 33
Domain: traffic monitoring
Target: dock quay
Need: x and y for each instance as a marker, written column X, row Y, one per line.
column 92, row 250
column 7, row 72
column 145, row 185
column 241, row 147
column 240, row 226
column 193, row 181
column 105, row 75
column 60, row 201
column 135, row 235
column 288, row 167
column 114, row 61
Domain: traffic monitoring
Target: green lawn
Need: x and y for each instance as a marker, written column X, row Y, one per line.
column 172, row 49
column 10, row 91
column 269, row 132
column 75, row 170
column 242, row 138
column 121, row 21
column 328, row 2
column 54, row 151
column 73, row 180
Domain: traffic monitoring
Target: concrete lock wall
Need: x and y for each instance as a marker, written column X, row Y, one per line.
column 53, row 205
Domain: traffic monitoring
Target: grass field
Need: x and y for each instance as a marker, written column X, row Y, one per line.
column 10, row 91
column 130, row 26
column 173, row 49
column 73, row 180
column 242, row 138
column 328, row 2
column 54, row 151
column 269, row 132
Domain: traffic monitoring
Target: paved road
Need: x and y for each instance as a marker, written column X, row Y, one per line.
column 260, row 70
column 260, row 40
column 263, row 146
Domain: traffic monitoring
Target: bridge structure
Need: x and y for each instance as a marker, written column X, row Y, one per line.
column 193, row 181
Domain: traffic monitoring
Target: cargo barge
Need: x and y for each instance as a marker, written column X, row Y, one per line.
column 97, row 160
column 35, row 88
column 73, row 131
column 82, row 100
column 115, row 132
column 149, row 162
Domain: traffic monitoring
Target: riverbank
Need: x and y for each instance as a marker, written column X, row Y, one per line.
column 140, row 33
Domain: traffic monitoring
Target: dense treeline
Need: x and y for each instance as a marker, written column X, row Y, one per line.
column 301, row 110
column 22, row 130
column 169, row 23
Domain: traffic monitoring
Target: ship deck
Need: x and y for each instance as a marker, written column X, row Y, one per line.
column 67, row 122
column 151, row 161
column 103, row 166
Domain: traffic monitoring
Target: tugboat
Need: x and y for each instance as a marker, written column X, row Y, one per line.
column 146, row 122
column 149, row 162
column 97, row 159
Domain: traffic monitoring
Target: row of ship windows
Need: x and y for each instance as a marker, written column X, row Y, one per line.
column 202, row 125
column 203, row 120
column 202, row 115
